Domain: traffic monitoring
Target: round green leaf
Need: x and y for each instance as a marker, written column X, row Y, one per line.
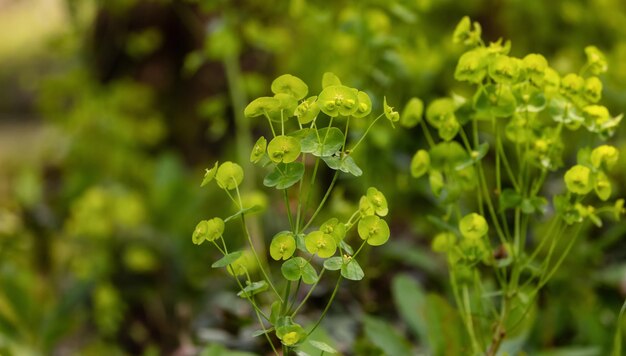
column 378, row 201
column 333, row 263
column 283, row 245
column 374, row 230
column 578, row 180
column 229, row 175
column 323, row 142
column 284, row 176
column 439, row 111
column 412, row 113
column 284, row 149
column 258, row 150
column 334, row 228
column 307, row 111
column 262, row 106
column 322, row 346
column 253, row 289
column 473, row 226
column 296, row 268
column 291, row 85
column 364, row 106
column 209, row 174
column 365, row 207
column 352, row 270
column 338, row 100
column 319, row 243
column 420, row 163
column 227, row 259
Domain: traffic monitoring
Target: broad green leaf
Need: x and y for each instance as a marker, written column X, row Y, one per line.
column 333, row 263
column 345, row 164
column 509, row 199
column 323, row 142
column 253, row 289
column 262, row 106
column 227, row 259
column 283, row 245
column 229, row 175
column 410, row 301
column 297, row 268
column 385, row 337
column 352, row 270
column 289, row 84
column 322, row 346
column 284, row 175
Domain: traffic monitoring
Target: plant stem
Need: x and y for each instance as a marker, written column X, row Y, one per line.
column 366, row 132
column 306, row 297
column 330, row 301
column 321, row 205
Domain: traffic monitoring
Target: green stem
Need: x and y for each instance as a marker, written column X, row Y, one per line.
column 288, row 207
column 321, row 205
column 306, row 297
column 365, row 134
column 429, row 138
column 284, row 306
column 330, row 301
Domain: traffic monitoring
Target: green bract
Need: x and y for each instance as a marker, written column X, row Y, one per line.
column 365, row 207
column 329, row 79
column 572, row 85
column 283, row 245
column 283, row 149
column 420, row 163
column 439, row 111
column 593, row 89
column 258, row 150
column 319, row 243
column 602, row 186
column 262, row 106
column 495, row 101
column 374, row 230
column 291, row 335
column 390, row 113
column 307, row 111
column 209, row 174
column 473, row 226
column 209, row 230
column 504, row 69
column 443, row 242
column 412, row 113
column 365, row 105
column 229, row 175
column 288, row 105
column 378, row 201
column 448, row 128
column 551, row 82
column 462, row 30
column 578, row 180
column 596, row 60
column 535, row 65
column 334, row 228
column 296, row 268
column 337, row 100
column 604, row 156
column 472, row 66
column 289, row 84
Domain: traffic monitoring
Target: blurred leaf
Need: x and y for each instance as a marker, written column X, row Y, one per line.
column 385, row 337
column 227, row 259
column 284, row 175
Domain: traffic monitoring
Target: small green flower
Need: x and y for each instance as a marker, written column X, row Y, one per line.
column 504, row 69
column 208, row 230
column 364, row 106
column 283, row 149
column 390, row 113
column 412, row 113
column 317, row 242
column 443, row 242
column 535, row 65
column 307, row 111
column 378, row 201
column 448, row 128
column 473, row 226
column 593, row 89
column 335, row 228
column 472, row 66
column 572, row 85
column 602, row 186
column 604, row 155
column 338, row 100
column 596, row 60
column 209, row 174
column 462, row 30
column 365, row 207
column 258, row 150
column 374, row 230
column 291, row 85
column 596, row 117
column 551, row 82
column 420, row 163
column 229, row 175
column 262, row 106
column 283, row 246
column 291, row 334
column 578, row 180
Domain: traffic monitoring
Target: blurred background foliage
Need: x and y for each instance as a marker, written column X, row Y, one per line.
column 110, row 110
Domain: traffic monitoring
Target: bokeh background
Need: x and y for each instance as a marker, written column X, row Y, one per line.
column 111, row 109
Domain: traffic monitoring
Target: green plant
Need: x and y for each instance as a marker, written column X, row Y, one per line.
column 298, row 132
column 520, row 111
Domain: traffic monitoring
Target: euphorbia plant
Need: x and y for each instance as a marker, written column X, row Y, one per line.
column 302, row 130
column 504, row 232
